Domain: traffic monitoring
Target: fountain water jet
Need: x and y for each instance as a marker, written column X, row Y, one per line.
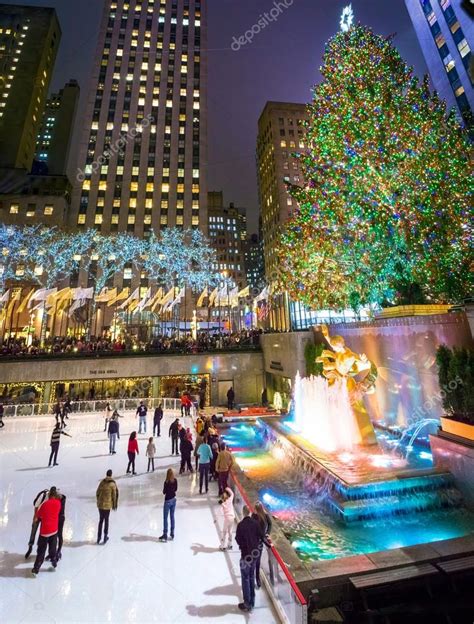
column 324, row 415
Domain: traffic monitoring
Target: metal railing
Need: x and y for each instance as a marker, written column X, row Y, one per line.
column 97, row 407
column 285, row 593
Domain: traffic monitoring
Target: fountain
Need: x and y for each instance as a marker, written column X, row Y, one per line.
column 338, row 486
column 323, row 414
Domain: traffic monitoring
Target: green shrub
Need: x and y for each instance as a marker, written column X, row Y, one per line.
column 311, row 352
column 456, row 380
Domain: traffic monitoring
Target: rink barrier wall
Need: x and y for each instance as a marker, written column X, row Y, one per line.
column 94, row 407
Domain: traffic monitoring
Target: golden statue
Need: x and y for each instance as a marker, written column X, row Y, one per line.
column 342, row 363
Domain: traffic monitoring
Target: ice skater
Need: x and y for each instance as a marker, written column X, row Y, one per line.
column 227, row 503
column 173, row 433
column 141, row 413
column 113, row 433
column 150, row 453
column 132, row 452
column 157, row 418
column 170, row 487
column 186, row 449
column 48, row 515
column 55, row 439
column 107, row 498
column 107, row 414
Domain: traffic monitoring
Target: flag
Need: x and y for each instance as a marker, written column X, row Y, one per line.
column 263, row 295
column 106, row 295
column 177, row 300
column 212, row 297
column 153, row 302
column 167, row 299
column 124, row 294
column 5, row 296
column 135, row 294
column 245, row 292
column 204, row 294
column 143, row 301
column 25, row 301
column 42, row 295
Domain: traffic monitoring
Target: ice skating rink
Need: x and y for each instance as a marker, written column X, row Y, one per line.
column 134, row 577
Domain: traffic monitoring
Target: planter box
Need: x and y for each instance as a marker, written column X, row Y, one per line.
column 413, row 310
column 463, row 430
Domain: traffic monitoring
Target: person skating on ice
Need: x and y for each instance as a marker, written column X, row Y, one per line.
column 55, row 439
column 113, row 433
column 173, row 433
column 157, row 418
column 227, row 506
column 132, row 452
column 48, row 516
column 150, row 453
column 107, row 415
column 107, row 496
column 141, row 413
column 170, row 487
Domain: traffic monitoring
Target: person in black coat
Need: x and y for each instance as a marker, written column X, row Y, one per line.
column 157, row 418
column 230, row 398
column 186, row 448
column 248, row 537
column 174, row 435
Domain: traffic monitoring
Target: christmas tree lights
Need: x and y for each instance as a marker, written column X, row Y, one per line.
column 384, row 211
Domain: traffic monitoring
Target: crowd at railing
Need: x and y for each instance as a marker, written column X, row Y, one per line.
column 161, row 344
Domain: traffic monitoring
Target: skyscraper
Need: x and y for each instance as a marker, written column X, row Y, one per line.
column 55, row 134
column 445, row 31
column 280, row 135
column 227, row 235
column 29, row 41
column 142, row 161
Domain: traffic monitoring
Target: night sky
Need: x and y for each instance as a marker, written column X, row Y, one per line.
column 282, row 63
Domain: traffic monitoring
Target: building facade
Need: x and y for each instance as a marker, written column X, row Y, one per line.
column 280, row 135
column 227, row 234
column 445, row 31
column 254, row 265
column 142, row 158
column 57, row 126
column 29, row 41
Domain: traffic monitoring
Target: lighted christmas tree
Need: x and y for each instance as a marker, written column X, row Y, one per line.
column 384, row 211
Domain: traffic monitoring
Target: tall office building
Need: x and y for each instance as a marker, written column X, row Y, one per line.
column 143, row 153
column 227, row 235
column 29, row 41
column 55, row 134
column 445, row 31
column 280, row 135
column 254, row 265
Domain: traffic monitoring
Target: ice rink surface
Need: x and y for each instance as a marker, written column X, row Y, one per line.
column 134, row 577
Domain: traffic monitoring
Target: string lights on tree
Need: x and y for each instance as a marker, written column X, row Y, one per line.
column 384, row 211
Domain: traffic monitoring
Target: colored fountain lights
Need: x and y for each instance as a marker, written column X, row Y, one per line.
column 328, row 409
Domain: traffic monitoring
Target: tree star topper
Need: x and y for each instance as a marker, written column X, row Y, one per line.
column 347, row 18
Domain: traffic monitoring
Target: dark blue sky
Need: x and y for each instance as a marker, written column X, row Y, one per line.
column 282, row 63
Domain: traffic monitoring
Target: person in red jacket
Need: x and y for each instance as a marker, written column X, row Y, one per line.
column 48, row 515
column 132, row 451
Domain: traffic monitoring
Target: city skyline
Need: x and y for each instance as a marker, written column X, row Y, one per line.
column 293, row 43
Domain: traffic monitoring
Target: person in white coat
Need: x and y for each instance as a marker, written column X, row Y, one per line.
column 227, row 503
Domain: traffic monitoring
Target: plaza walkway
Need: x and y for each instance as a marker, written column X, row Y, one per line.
column 134, row 577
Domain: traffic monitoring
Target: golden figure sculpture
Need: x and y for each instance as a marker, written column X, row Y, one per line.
column 358, row 371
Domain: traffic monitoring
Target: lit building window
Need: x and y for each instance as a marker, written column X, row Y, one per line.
column 14, row 208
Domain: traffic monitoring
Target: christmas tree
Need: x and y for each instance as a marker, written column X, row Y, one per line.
column 383, row 215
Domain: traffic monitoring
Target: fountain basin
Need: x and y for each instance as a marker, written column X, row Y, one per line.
column 325, row 515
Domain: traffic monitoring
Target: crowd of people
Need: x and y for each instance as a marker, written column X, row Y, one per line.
column 173, row 343
column 212, row 460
